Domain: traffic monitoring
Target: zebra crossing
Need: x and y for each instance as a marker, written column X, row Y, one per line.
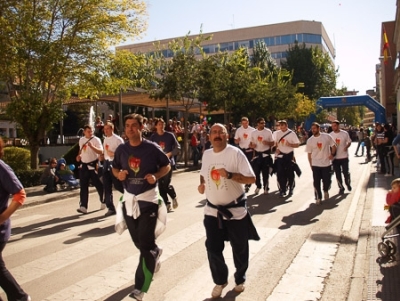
column 56, row 254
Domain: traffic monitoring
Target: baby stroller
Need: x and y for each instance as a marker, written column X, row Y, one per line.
column 386, row 247
column 66, row 174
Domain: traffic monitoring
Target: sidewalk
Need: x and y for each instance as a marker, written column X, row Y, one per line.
column 36, row 195
column 383, row 281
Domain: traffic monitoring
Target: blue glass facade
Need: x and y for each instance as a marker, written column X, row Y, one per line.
column 269, row 41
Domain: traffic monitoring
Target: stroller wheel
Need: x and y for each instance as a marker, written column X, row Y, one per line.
column 383, row 249
column 392, row 247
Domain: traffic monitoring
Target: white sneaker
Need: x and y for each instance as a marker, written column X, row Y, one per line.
column 217, row 290
column 158, row 262
column 136, row 294
column 103, row 206
column 318, row 202
column 239, row 288
column 175, row 203
column 326, row 195
column 82, row 210
column 257, row 191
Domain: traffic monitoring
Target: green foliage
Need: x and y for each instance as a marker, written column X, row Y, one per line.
column 18, row 158
column 29, row 178
column 311, row 66
column 52, row 47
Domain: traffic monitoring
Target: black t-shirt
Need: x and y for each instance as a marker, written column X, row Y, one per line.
column 166, row 141
column 146, row 158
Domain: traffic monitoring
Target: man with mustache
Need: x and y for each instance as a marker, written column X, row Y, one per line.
column 321, row 149
column 223, row 172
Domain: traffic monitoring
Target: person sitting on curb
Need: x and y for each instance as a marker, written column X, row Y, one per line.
column 67, row 176
column 49, row 177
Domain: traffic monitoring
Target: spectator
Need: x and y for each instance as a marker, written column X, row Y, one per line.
column 388, row 150
column 194, row 144
column 392, row 202
column 360, row 138
column 49, row 177
column 98, row 127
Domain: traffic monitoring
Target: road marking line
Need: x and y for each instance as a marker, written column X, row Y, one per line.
column 185, row 290
column 122, row 273
column 306, row 274
column 354, row 201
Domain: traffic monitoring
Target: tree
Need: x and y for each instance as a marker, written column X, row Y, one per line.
column 312, row 67
column 51, row 47
column 179, row 78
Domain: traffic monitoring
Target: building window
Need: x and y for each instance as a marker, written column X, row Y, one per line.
column 312, row 38
column 226, row 47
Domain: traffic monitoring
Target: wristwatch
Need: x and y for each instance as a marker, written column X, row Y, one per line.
column 230, row 175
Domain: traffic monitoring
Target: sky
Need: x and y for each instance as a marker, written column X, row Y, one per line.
column 354, row 26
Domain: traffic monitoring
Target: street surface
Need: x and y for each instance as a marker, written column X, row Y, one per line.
column 306, row 252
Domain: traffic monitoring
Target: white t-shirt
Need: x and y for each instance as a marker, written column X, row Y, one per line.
column 245, row 136
column 87, row 154
column 111, row 143
column 341, row 138
column 319, row 147
column 257, row 138
column 289, row 138
column 220, row 190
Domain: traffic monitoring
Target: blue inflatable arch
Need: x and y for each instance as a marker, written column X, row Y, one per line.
column 348, row 101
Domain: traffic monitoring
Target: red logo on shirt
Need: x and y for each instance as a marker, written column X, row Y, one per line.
column 215, row 176
column 319, row 145
column 134, row 164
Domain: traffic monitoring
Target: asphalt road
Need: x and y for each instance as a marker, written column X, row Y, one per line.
column 306, row 252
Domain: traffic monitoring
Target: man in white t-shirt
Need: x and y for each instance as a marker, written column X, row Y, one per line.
column 261, row 142
column 286, row 141
column 223, row 172
column 321, row 149
column 243, row 139
column 90, row 148
column 110, row 144
column 341, row 161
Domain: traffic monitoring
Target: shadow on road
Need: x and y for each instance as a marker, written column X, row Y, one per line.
column 308, row 216
column 264, row 203
column 63, row 224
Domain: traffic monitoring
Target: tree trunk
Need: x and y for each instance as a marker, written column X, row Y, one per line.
column 34, row 148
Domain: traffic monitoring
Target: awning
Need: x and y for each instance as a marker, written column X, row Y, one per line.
column 133, row 98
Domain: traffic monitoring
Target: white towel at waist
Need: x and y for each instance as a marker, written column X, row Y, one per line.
column 131, row 201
